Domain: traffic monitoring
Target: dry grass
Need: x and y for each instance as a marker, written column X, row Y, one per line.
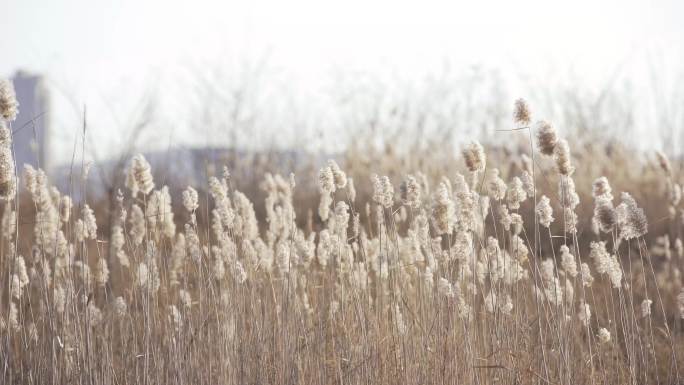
column 438, row 278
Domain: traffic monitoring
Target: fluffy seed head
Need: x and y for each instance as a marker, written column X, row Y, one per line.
column 65, row 206
column 631, row 218
column 504, row 217
column 571, row 220
column 585, row 273
column 326, row 180
column 443, row 210
column 5, row 134
column 8, row 183
column 568, row 261
column 567, row 193
column 139, row 176
column 339, row 177
column 101, row 272
column 20, row 271
column 474, row 156
column 89, row 222
column 615, row 272
column 584, row 314
column 496, row 187
column 603, row 335
column 245, row 223
column 605, row 215
column 8, row 100
column 383, row 191
column 515, row 194
column 445, row 288
column 410, row 192
column 516, row 224
column 13, row 317
column 190, row 199
column 561, row 155
column 544, row 211
column 137, row 225
column 528, row 183
column 522, row 115
column 601, row 189
column 547, row 270
column 646, row 307
column 546, row 137
column 600, row 256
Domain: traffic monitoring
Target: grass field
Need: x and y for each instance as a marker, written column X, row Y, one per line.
column 442, row 273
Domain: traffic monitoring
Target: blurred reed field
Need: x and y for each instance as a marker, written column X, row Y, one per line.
column 537, row 256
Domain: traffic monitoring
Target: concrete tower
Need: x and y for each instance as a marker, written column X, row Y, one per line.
column 31, row 129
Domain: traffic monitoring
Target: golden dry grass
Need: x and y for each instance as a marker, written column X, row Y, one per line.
column 450, row 285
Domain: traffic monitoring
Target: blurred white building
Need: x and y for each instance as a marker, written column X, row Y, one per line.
column 31, row 129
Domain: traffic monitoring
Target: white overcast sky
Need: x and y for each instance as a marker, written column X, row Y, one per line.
column 99, row 52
